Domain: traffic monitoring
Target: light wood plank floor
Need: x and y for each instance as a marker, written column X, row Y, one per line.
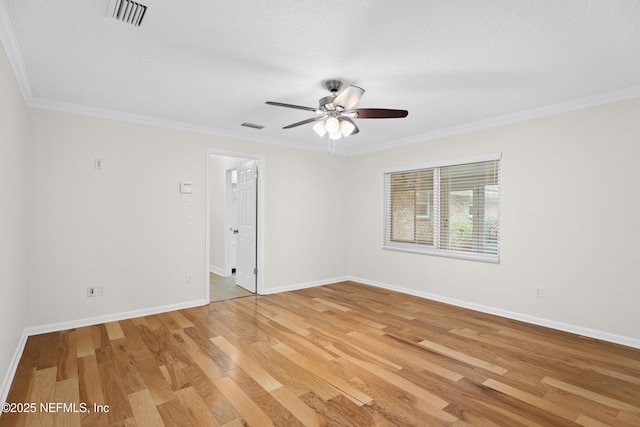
column 339, row 355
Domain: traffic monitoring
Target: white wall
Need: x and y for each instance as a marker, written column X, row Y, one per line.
column 308, row 217
column 13, row 256
column 569, row 209
column 124, row 227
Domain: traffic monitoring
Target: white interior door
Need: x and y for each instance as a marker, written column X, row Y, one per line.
column 246, row 191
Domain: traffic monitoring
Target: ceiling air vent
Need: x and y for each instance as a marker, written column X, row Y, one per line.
column 127, row 11
column 252, row 125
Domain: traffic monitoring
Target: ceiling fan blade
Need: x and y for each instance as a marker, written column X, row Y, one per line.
column 280, row 104
column 348, row 97
column 304, row 122
column 379, row 113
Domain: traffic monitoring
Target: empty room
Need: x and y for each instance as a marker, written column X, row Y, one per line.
column 302, row 213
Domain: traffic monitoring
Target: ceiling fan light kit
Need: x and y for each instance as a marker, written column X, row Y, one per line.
column 347, row 127
column 320, row 128
column 332, row 125
column 336, row 112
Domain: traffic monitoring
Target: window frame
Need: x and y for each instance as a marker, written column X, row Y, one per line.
column 434, row 249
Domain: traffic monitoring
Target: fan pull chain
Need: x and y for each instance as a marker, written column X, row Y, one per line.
column 332, row 146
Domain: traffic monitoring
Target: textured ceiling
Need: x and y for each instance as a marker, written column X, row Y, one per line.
column 211, row 65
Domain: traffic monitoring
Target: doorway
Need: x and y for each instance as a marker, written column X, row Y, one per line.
column 225, row 288
column 235, row 218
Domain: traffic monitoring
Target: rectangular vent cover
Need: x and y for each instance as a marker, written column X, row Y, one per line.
column 252, row 125
column 127, row 11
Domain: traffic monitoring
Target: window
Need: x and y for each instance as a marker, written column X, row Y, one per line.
column 447, row 208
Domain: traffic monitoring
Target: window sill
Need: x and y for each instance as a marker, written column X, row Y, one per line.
column 424, row 250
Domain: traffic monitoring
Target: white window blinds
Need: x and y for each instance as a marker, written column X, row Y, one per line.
column 449, row 208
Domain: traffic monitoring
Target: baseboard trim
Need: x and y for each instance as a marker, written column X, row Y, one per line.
column 552, row 324
column 13, row 367
column 298, row 286
column 62, row 326
column 216, row 270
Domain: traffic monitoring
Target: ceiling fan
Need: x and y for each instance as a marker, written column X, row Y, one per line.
column 335, row 112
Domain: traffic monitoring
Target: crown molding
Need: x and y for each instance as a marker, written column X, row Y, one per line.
column 12, row 49
column 549, row 110
column 506, row 119
column 84, row 110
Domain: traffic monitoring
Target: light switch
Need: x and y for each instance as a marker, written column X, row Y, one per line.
column 186, row 187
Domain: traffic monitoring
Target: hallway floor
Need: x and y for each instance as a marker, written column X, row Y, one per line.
column 225, row 288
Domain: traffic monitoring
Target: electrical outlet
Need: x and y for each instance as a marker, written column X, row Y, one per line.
column 189, row 279
column 539, row 292
column 100, row 291
column 91, row 291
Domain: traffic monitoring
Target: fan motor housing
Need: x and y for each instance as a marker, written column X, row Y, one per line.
column 326, row 103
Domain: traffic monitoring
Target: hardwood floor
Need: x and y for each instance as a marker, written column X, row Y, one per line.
column 339, row 355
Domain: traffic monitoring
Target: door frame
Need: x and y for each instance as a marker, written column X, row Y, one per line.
column 228, row 201
column 260, row 216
